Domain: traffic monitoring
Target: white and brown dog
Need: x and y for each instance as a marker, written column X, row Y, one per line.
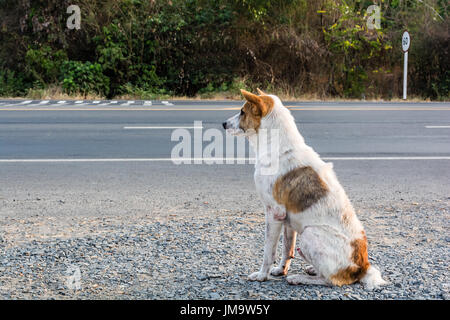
column 302, row 196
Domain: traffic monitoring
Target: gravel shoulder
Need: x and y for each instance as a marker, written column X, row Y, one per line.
column 159, row 231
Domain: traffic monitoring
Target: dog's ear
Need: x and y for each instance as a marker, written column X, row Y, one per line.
column 261, row 108
column 250, row 97
column 260, row 92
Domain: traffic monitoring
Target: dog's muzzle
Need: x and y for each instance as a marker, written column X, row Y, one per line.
column 232, row 125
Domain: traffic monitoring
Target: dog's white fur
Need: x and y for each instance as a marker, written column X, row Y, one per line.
column 324, row 237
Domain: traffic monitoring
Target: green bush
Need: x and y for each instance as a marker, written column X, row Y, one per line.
column 194, row 44
column 126, row 58
column 84, row 78
column 12, row 84
column 429, row 69
column 44, row 63
column 355, row 50
column 189, row 47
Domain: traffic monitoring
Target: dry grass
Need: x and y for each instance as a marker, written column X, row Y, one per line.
column 56, row 93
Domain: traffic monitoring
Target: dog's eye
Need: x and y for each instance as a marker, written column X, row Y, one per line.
column 242, row 112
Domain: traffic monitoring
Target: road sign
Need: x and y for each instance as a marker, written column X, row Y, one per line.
column 406, row 41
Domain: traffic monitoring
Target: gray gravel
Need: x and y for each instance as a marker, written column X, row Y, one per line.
column 158, row 239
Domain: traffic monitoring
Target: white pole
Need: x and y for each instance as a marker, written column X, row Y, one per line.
column 405, row 73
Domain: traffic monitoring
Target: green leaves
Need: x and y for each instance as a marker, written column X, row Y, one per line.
column 190, row 47
column 12, row 83
column 84, row 78
column 356, row 49
column 44, row 63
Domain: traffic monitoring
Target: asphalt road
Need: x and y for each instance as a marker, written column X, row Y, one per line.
column 81, row 185
column 123, row 130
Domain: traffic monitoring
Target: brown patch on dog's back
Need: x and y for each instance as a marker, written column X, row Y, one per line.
column 256, row 108
column 299, row 189
column 360, row 258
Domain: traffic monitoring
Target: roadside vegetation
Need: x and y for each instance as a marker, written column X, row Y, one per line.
column 154, row 49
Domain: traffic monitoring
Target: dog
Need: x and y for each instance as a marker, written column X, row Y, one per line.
column 302, row 196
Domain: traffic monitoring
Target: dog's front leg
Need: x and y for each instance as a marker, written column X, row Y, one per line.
column 273, row 230
column 289, row 237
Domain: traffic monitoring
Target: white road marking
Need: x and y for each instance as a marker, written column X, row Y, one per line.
column 150, row 128
column 44, row 102
column 113, row 109
column 127, row 103
column 204, row 159
column 79, row 101
column 26, row 102
column 167, row 103
column 61, row 102
column 96, row 102
column 437, row 127
column 147, row 103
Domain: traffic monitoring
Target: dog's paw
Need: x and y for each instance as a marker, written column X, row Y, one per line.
column 310, row 270
column 278, row 271
column 257, row 276
column 294, row 279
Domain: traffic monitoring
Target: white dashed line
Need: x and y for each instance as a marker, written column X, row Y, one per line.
column 127, row 103
column 437, row 127
column 159, row 128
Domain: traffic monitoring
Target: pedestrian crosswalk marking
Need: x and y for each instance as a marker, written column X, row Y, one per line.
column 66, row 103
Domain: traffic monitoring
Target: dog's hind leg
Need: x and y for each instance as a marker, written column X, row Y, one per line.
column 307, row 279
column 308, row 269
column 325, row 250
column 289, row 237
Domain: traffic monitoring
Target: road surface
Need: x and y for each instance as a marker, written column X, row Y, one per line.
column 91, row 185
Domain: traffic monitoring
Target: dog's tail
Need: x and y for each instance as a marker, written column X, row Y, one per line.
column 372, row 279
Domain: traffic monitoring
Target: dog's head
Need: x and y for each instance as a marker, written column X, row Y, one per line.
column 248, row 120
